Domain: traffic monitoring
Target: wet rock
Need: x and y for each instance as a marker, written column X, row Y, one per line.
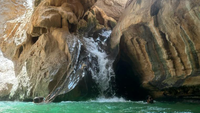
column 158, row 39
column 38, row 99
column 149, row 99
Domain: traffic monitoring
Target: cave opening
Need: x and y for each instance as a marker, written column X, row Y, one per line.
column 128, row 82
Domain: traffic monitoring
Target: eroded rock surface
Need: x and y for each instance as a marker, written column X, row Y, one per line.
column 45, row 47
column 10, row 11
column 160, row 39
column 158, row 44
column 113, row 8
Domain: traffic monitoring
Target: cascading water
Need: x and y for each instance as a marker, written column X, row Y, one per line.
column 101, row 70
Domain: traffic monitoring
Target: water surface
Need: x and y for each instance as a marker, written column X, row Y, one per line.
column 100, row 106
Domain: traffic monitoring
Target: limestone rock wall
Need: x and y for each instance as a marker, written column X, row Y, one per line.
column 8, row 14
column 160, row 40
column 43, row 46
column 7, row 76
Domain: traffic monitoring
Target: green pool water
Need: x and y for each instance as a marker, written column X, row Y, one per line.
column 100, row 106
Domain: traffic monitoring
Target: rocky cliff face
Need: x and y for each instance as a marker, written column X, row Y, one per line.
column 46, row 48
column 7, row 76
column 9, row 13
column 159, row 43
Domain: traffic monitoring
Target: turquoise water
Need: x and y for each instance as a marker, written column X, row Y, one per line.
column 99, row 106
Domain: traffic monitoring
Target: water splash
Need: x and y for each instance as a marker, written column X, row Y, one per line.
column 107, row 100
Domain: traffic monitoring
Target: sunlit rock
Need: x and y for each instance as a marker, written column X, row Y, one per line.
column 48, row 54
column 7, row 76
column 112, row 8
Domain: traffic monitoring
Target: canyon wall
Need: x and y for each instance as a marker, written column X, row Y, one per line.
column 10, row 11
column 46, row 48
column 158, row 41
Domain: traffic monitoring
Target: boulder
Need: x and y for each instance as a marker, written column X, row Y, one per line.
column 38, row 99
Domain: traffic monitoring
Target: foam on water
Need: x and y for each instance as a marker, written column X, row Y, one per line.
column 103, row 100
column 107, row 100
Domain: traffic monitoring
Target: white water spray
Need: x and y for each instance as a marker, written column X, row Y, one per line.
column 103, row 73
column 108, row 100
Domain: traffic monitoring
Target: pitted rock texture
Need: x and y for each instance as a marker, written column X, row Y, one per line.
column 160, row 40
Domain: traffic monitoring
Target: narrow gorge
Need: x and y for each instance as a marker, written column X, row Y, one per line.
column 72, row 50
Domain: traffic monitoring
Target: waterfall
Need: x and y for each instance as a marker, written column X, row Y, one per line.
column 102, row 71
